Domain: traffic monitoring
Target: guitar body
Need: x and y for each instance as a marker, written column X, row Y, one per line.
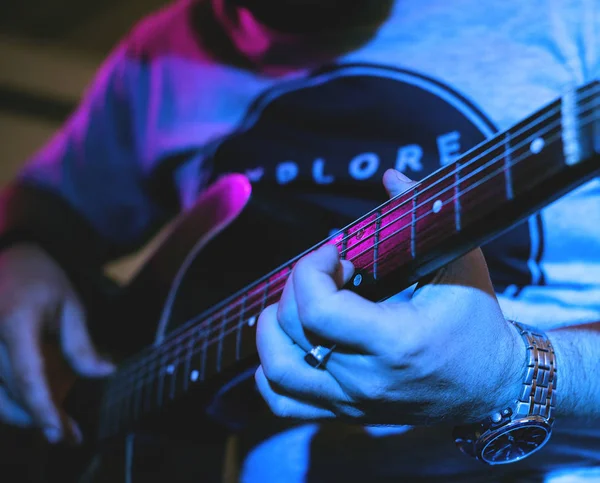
column 229, row 239
column 184, row 328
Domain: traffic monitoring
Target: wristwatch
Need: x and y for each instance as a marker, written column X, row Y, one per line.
column 515, row 432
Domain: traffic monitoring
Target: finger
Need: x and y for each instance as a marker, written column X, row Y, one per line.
column 335, row 315
column 284, row 366
column 11, row 412
column 285, row 406
column 323, row 269
column 395, row 182
column 287, row 312
column 31, row 386
column 77, row 344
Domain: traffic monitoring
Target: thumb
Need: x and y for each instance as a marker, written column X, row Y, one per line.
column 395, row 182
column 77, row 344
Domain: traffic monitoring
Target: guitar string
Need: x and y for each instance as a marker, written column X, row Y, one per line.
column 195, row 352
column 214, row 311
column 133, row 370
column 207, row 343
column 355, row 223
column 225, row 332
column 218, row 307
column 143, row 382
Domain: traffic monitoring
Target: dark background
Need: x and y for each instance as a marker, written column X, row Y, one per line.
column 87, row 26
column 49, row 51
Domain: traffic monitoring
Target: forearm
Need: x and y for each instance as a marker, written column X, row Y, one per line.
column 577, row 352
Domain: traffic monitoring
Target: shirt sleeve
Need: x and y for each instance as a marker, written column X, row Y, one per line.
column 84, row 196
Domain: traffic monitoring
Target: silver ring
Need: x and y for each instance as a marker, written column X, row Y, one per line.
column 318, row 356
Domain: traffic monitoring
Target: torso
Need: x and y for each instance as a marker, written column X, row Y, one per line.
column 434, row 80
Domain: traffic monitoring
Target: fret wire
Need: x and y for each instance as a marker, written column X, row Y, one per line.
column 119, row 417
column 457, row 205
column 136, row 398
column 107, row 424
column 413, row 224
column 147, row 395
column 123, row 382
column 188, row 364
column 113, row 389
column 173, row 377
column 376, row 242
column 220, row 346
column 157, row 377
column 571, row 146
column 473, row 161
column 161, row 379
column 264, row 297
column 129, row 408
column 203, row 361
column 111, row 419
column 507, row 168
column 128, row 411
column 172, row 368
column 123, row 412
column 141, row 388
column 596, row 130
column 238, row 340
column 199, row 339
column 345, row 237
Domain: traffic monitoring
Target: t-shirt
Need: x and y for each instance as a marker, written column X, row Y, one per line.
column 193, row 93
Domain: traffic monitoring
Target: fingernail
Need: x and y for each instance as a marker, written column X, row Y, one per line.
column 402, row 177
column 53, row 435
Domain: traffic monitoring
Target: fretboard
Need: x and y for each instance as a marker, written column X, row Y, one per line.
column 461, row 205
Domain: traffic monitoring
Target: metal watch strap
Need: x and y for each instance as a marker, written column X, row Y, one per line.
column 538, row 395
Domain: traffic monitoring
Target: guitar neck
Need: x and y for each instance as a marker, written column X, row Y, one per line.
column 458, row 207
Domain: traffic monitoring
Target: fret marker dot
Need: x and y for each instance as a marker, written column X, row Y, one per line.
column 357, row 280
column 537, row 145
column 251, row 321
column 194, row 375
column 170, row 369
column 437, row 206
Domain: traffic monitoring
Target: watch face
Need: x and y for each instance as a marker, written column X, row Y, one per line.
column 513, row 444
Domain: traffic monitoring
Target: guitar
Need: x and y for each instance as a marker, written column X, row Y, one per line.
column 193, row 325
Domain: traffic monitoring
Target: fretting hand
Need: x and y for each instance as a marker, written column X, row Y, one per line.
column 447, row 354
